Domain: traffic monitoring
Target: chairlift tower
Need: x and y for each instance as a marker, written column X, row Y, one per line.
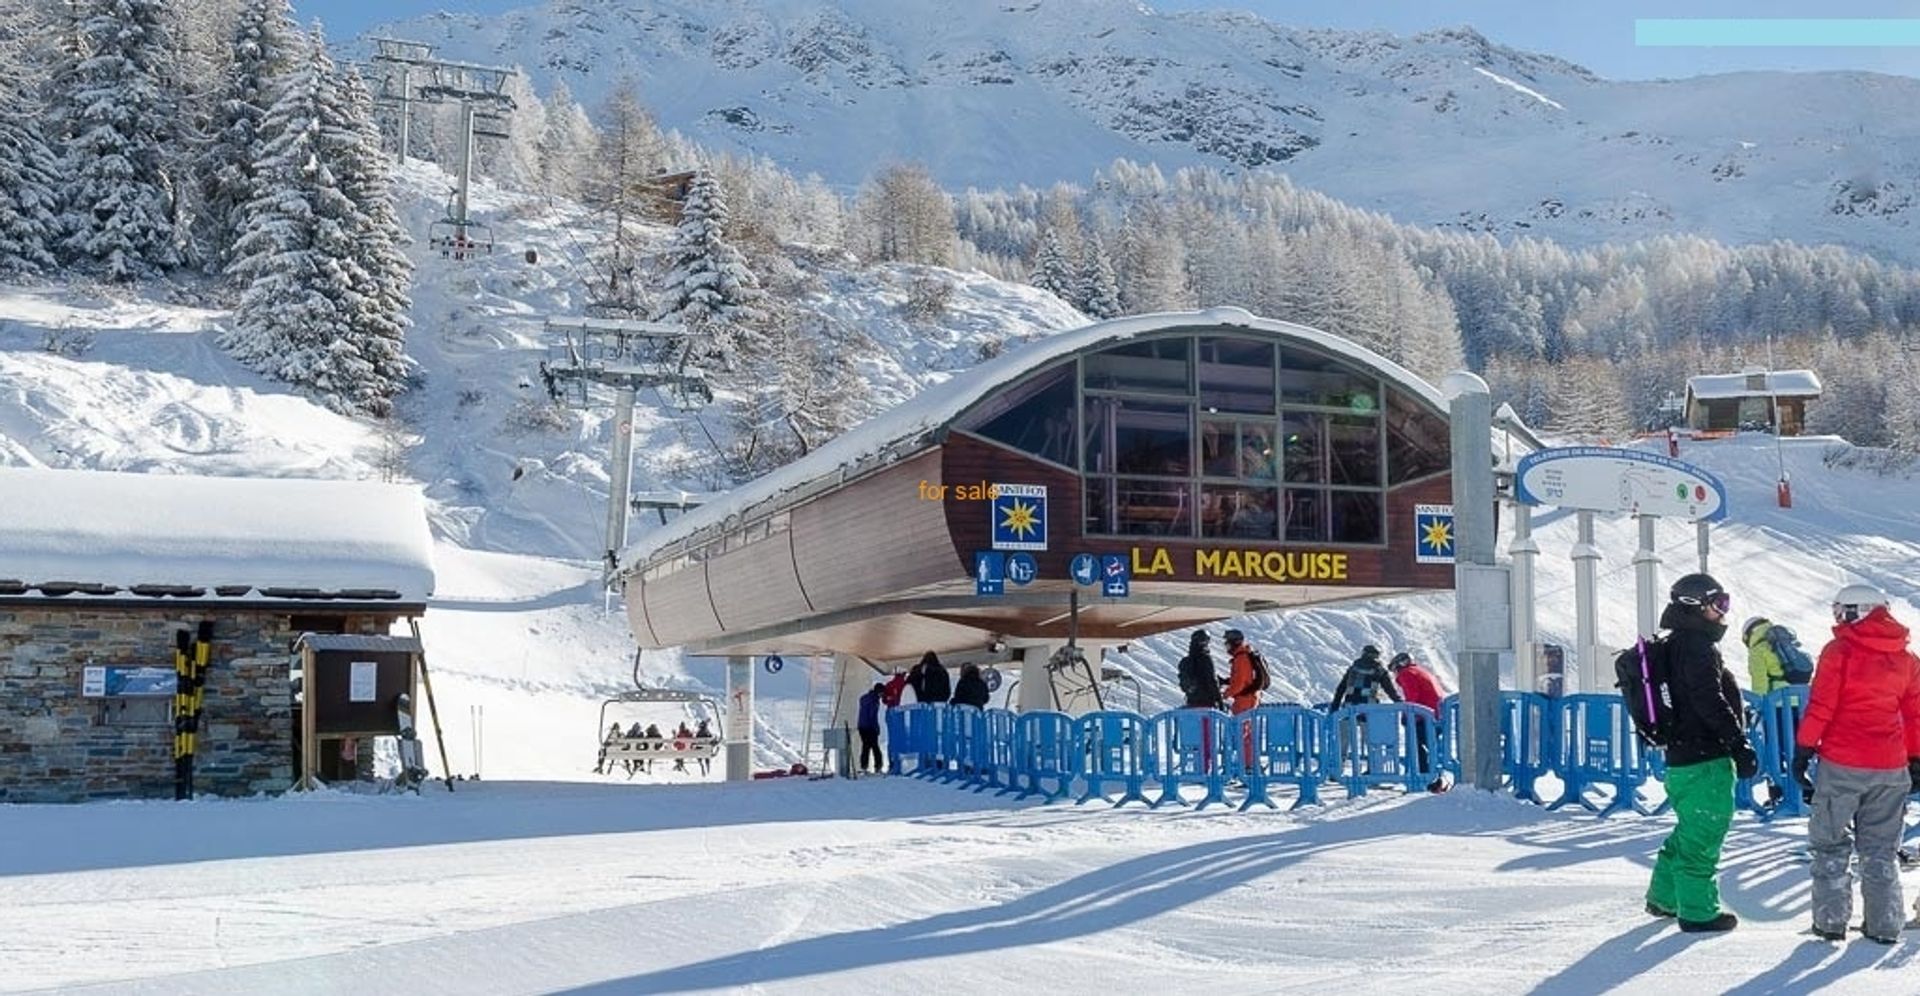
column 480, row 90
column 626, row 357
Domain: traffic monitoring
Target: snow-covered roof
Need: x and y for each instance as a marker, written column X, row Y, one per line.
column 898, row 433
column 1791, row 383
column 108, row 535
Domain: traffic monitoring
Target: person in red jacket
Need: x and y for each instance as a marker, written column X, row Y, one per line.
column 1419, row 687
column 1863, row 722
column 1243, row 686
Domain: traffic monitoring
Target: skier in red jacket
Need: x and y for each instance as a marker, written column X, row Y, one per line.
column 1418, row 687
column 1863, row 722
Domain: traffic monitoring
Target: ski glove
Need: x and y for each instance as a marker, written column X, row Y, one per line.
column 1913, row 773
column 1745, row 763
column 1802, row 757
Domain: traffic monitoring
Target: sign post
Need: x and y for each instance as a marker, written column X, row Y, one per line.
column 1601, row 479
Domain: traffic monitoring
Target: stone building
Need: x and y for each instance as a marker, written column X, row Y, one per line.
column 99, row 571
column 1761, row 400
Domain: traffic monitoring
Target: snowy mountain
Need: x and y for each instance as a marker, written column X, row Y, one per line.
column 1445, row 128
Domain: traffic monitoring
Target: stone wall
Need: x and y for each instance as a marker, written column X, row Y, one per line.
column 59, row 746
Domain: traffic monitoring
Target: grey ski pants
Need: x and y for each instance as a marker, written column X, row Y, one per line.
column 1857, row 810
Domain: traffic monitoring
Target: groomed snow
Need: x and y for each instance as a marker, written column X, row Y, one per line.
column 885, row 886
column 122, row 530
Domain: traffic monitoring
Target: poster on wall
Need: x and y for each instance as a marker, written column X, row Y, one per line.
column 105, row 681
column 361, row 681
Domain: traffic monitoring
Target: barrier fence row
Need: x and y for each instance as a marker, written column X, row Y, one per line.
column 1570, row 750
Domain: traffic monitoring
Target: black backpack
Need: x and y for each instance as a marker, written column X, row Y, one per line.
column 1645, row 682
column 1262, row 679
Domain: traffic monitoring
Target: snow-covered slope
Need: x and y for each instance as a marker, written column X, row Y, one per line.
column 1445, row 128
column 521, row 641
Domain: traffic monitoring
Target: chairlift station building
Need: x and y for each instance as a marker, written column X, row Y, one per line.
column 1226, row 464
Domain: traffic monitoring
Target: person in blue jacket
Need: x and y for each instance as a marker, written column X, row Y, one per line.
column 868, row 725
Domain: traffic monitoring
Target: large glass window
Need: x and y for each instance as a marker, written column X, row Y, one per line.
column 1153, row 508
column 1312, row 379
column 1418, row 442
column 1157, row 366
column 1236, row 375
column 1188, row 437
column 1356, row 517
column 1036, row 417
column 1153, row 438
column 1353, row 450
column 1239, row 512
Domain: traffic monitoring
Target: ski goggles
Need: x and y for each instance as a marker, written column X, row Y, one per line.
column 1719, row 601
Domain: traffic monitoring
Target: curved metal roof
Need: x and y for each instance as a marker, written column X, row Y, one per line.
column 909, row 428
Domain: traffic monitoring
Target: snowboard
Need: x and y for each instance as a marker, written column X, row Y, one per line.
column 413, row 769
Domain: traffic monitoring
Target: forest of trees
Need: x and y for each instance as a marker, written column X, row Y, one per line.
column 141, row 138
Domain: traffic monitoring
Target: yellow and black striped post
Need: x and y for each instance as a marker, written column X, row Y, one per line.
column 182, row 709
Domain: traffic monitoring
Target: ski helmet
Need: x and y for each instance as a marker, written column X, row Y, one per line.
column 1855, row 601
column 1700, row 591
column 1234, row 636
column 1400, row 660
column 1746, row 628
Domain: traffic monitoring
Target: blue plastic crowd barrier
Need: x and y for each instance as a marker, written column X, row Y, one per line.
column 1587, row 742
column 1192, row 747
column 1380, row 745
column 1115, row 745
column 1287, row 742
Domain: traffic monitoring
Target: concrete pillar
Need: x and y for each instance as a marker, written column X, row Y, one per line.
column 739, row 719
column 1470, row 417
column 1646, row 580
column 1036, row 683
column 1581, row 671
column 1701, row 542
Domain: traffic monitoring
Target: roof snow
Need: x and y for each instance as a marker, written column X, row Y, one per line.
column 1791, row 383
column 126, row 535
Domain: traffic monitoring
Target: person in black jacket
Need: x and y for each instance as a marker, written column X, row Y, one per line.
column 929, row 679
column 1198, row 682
column 1706, row 747
column 971, row 689
column 1365, row 681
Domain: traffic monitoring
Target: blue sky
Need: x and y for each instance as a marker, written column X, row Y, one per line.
column 1595, row 33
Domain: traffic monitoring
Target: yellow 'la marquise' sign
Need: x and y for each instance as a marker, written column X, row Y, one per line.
column 1273, row 566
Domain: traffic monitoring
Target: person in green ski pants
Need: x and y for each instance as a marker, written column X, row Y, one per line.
column 1706, row 747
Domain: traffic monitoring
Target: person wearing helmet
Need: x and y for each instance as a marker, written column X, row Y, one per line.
column 1707, row 746
column 1198, row 682
column 1763, row 665
column 1863, row 722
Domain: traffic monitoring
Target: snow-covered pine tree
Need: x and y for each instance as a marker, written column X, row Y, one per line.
column 1099, row 295
column 29, row 205
column 709, row 288
column 264, row 45
column 116, row 116
column 297, row 258
column 379, row 323
column 1051, row 270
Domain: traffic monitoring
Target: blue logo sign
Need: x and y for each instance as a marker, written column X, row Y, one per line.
column 1022, row 568
column 989, row 573
column 773, row 664
column 1085, row 568
column 1019, row 514
column 991, row 675
column 1433, row 536
column 1115, row 575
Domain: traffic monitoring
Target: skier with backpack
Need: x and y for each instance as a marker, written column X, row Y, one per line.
column 1365, row 681
column 1681, row 697
column 1248, row 675
column 1863, row 722
column 1775, row 658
